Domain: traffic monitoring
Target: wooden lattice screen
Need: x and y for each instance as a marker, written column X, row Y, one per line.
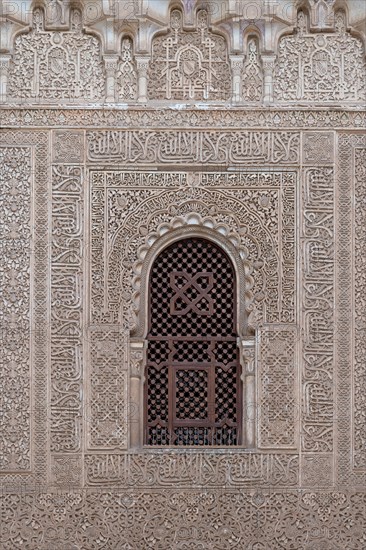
column 192, row 389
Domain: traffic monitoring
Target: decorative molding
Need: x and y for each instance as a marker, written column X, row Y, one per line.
column 359, row 300
column 220, row 118
column 346, row 330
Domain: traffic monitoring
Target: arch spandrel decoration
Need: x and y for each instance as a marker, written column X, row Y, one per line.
column 247, row 211
column 251, row 215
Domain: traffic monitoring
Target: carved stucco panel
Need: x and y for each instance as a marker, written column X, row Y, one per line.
column 189, row 65
column 186, row 147
column 359, row 254
column 127, row 519
column 66, row 308
column 107, row 405
column 350, row 439
column 321, row 67
column 55, row 66
column 15, row 308
column 277, row 380
column 25, row 176
column 258, row 207
column 179, row 469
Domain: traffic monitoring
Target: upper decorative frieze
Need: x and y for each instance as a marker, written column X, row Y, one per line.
column 185, row 60
column 55, row 66
column 320, row 67
column 189, row 65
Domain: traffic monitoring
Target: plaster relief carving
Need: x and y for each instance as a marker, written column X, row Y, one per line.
column 252, row 75
column 169, row 518
column 318, row 310
column 189, row 65
column 191, row 470
column 320, row 67
column 107, row 409
column 277, row 381
column 68, row 146
column 127, row 73
column 15, row 306
column 318, row 148
column 193, row 147
column 66, row 308
column 55, row 66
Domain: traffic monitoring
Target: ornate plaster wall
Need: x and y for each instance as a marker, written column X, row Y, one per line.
column 126, row 126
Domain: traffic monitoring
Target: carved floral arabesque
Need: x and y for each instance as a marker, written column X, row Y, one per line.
column 66, row 308
column 126, row 519
column 252, row 75
column 360, row 308
column 318, row 310
column 190, row 117
column 320, row 67
column 56, row 65
column 189, row 65
column 18, row 166
column 15, row 309
column 127, row 73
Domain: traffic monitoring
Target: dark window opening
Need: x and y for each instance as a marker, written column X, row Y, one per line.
column 192, row 384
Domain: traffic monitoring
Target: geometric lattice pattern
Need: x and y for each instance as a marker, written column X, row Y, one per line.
column 276, row 383
column 192, row 386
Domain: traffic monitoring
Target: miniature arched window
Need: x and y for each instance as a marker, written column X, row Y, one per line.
column 193, row 393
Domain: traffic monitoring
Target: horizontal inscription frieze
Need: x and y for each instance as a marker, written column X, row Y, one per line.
column 193, row 146
column 191, row 469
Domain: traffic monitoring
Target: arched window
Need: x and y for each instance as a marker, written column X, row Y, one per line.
column 192, row 383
